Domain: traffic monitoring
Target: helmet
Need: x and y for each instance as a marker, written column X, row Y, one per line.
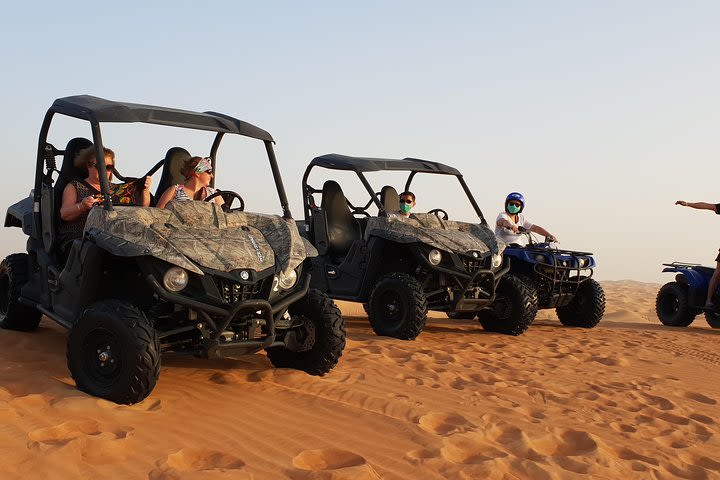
column 518, row 197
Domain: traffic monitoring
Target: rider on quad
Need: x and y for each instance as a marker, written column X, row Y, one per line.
column 715, row 207
column 509, row 222
column 561, row 279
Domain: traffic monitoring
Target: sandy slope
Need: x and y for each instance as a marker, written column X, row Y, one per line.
column 629, row 399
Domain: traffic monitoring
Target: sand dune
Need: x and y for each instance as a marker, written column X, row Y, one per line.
column 629, row 399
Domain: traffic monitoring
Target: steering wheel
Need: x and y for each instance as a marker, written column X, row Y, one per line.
column 228, row 196
column 438, row 211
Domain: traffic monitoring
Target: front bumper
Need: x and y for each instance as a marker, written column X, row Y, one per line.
column 262, row 309
column 468, row 292
column 476, row 295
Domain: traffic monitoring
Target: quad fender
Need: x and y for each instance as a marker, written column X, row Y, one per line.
column 528, row 255
column 520, row 254
column 693, row 278
column 20, row 215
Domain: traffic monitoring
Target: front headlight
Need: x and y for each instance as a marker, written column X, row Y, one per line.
column 434, row 257
column 175, row 279
column 540, row 258
column 582, row 262
column 287, row 280
column 496, row 260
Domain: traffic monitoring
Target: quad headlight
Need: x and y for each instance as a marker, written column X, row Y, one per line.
column 286, row 281
column 582, row 262
column 175, row 279
column 434, row 257
column 496, row 260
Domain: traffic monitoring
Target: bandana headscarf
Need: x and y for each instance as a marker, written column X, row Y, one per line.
column 203, row 165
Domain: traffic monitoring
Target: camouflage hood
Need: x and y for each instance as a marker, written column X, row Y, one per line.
column 448, row 235
column 188, row 234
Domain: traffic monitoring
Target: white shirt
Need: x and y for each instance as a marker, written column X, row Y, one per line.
column 507, row 235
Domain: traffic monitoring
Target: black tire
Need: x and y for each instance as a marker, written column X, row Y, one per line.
column 398, row 307
column 713, row 319
column 514, row 308
column 586, row 308
column 461, row 315
column 13, row 275
column 326, row 348
column 673, row 307
column 130, row 367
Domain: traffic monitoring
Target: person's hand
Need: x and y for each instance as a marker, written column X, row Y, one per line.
column 513, row 227
column 148, row 183
column 88, row 202
column 682, row 202
column 553, row 238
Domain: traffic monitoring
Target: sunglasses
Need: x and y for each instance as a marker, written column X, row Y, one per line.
column 515, row 203
column 405, row 200
column 108, row 168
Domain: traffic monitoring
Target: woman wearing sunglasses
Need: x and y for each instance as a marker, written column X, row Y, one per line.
column 198, row 175
column 79, row 196
column 509, row 222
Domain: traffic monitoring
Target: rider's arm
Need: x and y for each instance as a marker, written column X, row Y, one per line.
column 699, row 205
column 166, row 197
column 504, row 221
column 541, row 231
column 147, row 182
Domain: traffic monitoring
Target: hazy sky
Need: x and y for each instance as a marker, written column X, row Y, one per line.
column 602, row 113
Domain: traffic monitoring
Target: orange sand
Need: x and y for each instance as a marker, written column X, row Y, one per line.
column 629, row 399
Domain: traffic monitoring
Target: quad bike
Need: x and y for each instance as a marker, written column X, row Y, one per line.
column 679, row 302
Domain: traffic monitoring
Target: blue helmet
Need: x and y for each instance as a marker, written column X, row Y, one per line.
column 518, row 197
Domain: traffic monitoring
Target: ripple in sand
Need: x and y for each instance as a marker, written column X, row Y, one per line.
column 566, row 443
column 331, row 463
column 222, row 378
column 443, row 423
column 65, row 432
column 33, row 400
column 187, row 461
column 327, row 459
column 699, row 397
column 469, row 448
column 628, row 454
column 610, row 361
column 702, row 418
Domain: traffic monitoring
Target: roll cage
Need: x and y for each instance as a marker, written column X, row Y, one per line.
column 97, row 110
column 360, row 165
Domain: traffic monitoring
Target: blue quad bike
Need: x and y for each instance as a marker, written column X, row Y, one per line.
column 679, row 302
column 561, row 278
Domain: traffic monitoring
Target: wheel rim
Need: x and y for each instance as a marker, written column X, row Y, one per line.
column 102, row 357
column 4, row 295
column 670, row 304
column 392, row 308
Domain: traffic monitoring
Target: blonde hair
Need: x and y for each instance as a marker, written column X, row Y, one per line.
column 85, row 156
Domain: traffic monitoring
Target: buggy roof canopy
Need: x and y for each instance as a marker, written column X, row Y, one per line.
column 87, row 107
column 365, row 164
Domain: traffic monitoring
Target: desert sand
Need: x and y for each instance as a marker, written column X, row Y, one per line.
column 628, row 399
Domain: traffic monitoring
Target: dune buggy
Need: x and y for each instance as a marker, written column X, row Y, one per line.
column 400, row 267
column 188, row 278
column 561, row 278
column 679, row 302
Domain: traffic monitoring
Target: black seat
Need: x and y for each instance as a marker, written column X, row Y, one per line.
column 390, row 199
column 51, row 196
column 68, row 170
column 342, row 228
column 174, row 160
